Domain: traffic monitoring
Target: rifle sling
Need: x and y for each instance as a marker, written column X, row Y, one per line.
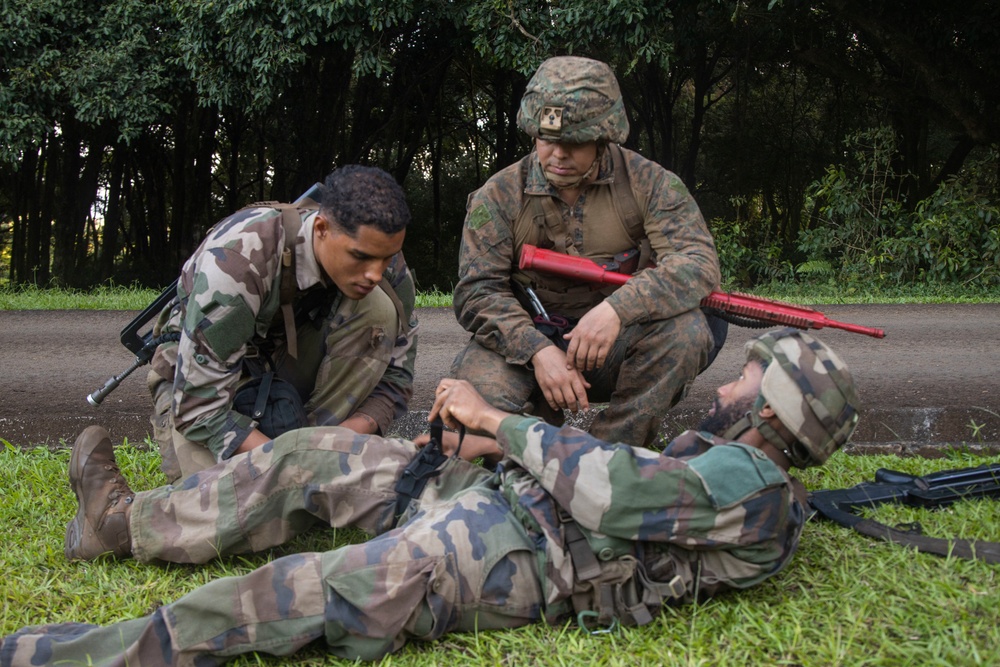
column 960, row 548
column 988, row 552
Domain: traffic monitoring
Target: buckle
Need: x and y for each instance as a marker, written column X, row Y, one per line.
column 613, row 627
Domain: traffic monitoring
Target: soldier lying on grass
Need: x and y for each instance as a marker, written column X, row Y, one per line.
column 566, row 525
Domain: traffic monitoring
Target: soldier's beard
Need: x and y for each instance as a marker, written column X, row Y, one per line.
column 723, row 418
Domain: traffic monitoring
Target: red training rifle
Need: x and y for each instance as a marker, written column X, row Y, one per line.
column 742, row 305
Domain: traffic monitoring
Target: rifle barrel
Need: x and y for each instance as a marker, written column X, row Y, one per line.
column 766, row 310
column 961, row 476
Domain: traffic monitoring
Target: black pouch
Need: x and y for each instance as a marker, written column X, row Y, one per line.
column 273, row 403
column 425, row 465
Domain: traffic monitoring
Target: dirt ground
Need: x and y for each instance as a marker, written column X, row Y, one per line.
column 930, row 381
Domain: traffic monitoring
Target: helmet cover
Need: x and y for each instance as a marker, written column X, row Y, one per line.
column 811, row 392
column 574, row 100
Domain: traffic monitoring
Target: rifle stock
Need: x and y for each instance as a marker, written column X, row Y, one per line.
column 934, row 490
column 735, row 303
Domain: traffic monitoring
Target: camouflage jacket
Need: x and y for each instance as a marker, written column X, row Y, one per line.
column 687, row 267
column 721, row 515
column 229, row 294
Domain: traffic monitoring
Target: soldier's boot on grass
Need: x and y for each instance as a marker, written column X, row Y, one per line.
column 104, row 500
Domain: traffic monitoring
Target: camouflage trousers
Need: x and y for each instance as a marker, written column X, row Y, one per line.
column 338, row 365
column 648, row 370
column 459, row 561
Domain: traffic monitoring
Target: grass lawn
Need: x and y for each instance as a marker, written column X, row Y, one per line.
column 844, row 600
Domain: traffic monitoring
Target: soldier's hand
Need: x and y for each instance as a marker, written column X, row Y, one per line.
column 457, row 403
column 473, row 446
column 563, row 386
column 591, row 339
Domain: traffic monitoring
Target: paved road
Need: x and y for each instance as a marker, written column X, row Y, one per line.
column 932, row 380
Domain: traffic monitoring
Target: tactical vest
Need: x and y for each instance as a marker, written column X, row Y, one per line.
column 611, row 586
column 613, row 225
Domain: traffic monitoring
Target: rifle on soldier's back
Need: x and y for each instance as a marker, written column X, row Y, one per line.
column 740, row 309
column 144, row 345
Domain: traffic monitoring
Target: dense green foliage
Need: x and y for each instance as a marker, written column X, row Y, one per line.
column 867, row 232
column 843, row 600
column 852, row 140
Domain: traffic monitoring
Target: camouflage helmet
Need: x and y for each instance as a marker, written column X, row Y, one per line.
column 811, row 392
column 574, row 100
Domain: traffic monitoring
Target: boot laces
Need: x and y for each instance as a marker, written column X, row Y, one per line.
column 120, row 487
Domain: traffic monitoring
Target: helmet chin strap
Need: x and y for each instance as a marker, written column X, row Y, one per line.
column 752, row 419
column 738, row 429
column 569, row 183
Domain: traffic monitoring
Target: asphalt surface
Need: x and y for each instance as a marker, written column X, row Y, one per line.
column 930, row 383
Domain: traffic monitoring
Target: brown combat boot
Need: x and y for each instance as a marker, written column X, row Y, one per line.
column 103, row 498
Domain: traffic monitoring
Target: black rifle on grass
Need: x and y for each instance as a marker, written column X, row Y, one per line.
column 938, row 489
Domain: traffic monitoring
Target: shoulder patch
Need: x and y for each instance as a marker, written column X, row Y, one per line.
column 227, row 334
column 733, row 473
column 479, row 217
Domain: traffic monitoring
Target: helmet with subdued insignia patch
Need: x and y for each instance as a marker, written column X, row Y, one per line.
column 573, row 100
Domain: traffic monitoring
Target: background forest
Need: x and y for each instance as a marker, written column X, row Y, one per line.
column 837, row 140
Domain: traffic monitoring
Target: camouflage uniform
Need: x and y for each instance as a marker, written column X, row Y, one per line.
column 475, row 551
column 664, row 341
column 353, row 356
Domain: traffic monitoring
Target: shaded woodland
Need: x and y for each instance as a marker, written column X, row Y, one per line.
column 817, row 137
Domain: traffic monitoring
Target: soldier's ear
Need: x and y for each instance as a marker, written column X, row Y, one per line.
column 321, row 226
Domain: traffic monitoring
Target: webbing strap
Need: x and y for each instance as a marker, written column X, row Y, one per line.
column 626, row 205
column 425, row 465
column 260, row 405
column 584, row 561
column 291, row 221
column 623, row 595
column 404, row 323
column 939, row 546
column 544, row 210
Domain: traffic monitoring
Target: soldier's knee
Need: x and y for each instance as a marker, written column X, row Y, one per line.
column 501, row 384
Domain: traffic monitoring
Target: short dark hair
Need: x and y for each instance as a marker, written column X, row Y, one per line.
column 356, row 196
